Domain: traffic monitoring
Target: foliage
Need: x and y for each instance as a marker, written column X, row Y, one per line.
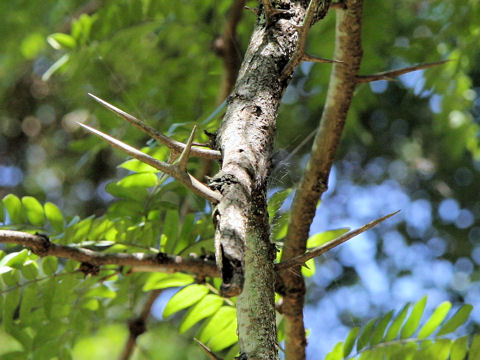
column 155, row 61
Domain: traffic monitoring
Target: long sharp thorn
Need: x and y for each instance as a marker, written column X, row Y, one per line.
column 185, row 155
column 311, row 58
column 301, row 259
column 169, row 169
column 130, row 150
column 150, row 131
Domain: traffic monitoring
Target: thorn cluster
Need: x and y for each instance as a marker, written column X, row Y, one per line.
column 178, row 169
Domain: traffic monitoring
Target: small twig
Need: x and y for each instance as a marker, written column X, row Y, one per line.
column 303, row 30
column 41, row 246
column 271, row 12
column 170, row 169
column 389, row 75
column 150, row 131
column 301, row 259
column 209, row 352
column 137, row 325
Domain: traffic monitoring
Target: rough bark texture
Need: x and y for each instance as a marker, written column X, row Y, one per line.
column 245, row 138
column 314, row 183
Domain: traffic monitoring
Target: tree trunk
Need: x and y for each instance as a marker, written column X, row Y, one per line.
column 245, row 138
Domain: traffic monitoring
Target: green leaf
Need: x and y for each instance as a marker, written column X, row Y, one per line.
column 379, row 331
column 276, row 201
column 280, row 228
column 49, row 265
column 61, row 40
column 324, row 237
column 204, row 308
column 14, row 209
column 336, row 353
column 224, row 338
column 101, row 291
column 170, row 230
column 10, row 277
column 30, row 270
column 2, row 214
column 364, row 337
column 29, row 300
column 54, row 216
column 435, row 320
column 459, row 348
column 474, row 353
column 456, row 320
column 185, row 298
column 217, row 323
column 413, row 321
column 350, row 340
column 12, row 299
column 33, row 210
column 138, row 180
column 439, row 350
column 309, row 268
column 162, row 281
column 15, row 259
column 394, row 328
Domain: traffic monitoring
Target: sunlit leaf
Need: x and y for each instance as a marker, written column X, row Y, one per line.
column 435, row 320
column 54, row 216
column 29, row 270
column 15, row 259
column 224, row 338
column 204, row 308
column 162, row 281
column 49, row 265
column 379, row 330
column 138, row 180
column 474, row 352
column 456, row 320
column 324, row 237
column 216, row 325
column 350, row 340
column 413, row 321
column 185, row 298
column 365, row 335
column 14, row 209
column 336, row 353
column 61, row 40
column 309, row 268
column 33, row 210
column 459, row 348
column 396, row 325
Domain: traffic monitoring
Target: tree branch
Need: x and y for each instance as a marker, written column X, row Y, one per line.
column 174, row 170
column 137, row 326
column 341, row 87
column 174, row 145
column 320, row 250
column 41, row 246
column 389, row 75
column 303, row 30
column 228, row 48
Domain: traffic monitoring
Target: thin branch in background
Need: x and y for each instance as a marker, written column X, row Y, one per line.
column 207, row 351
column 389, row 75
column 173, row 145
column 348, row 49
column 301, row 259
column 137, row 326
column 173, row 170
column 161, row 262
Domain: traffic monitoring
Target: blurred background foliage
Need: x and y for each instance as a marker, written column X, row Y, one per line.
column 409, row 144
